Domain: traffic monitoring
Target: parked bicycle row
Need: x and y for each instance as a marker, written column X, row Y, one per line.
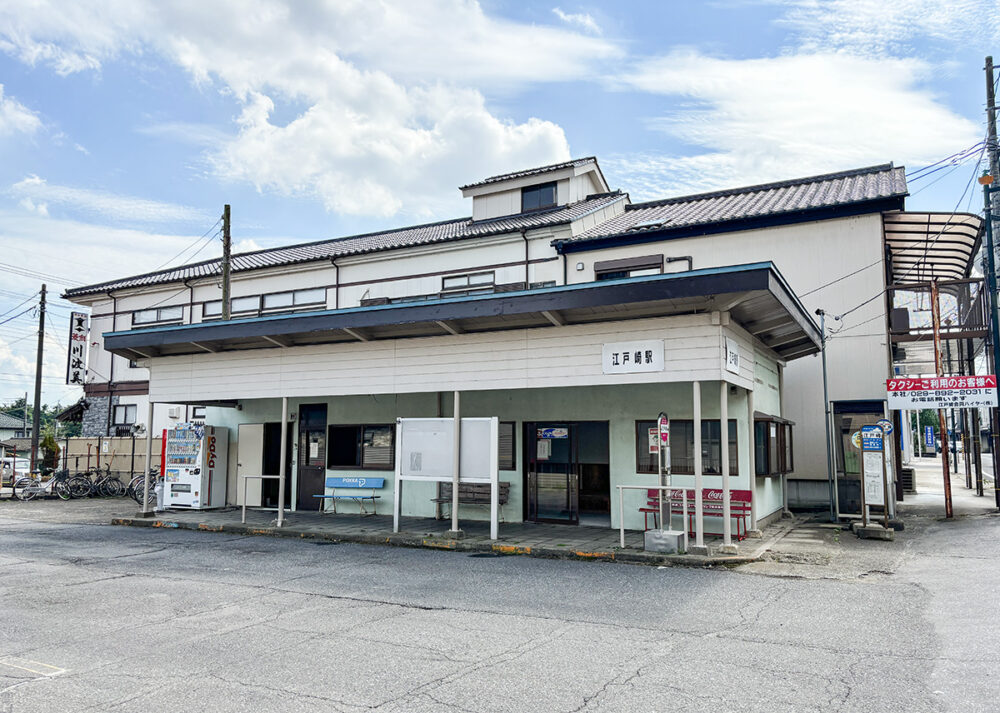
column 94, row 482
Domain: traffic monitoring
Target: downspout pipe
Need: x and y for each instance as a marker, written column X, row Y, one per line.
column 336, row 284
column 686, row 258
column 527, row 278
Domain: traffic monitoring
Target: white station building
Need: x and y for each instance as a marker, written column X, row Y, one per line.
column 560, row 307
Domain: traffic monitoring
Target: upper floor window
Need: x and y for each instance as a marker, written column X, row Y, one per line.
column 125, row 415
column 628, row 267
column 298, row 298
column 158, row 315
column 538, row 197
column 472, row 283
column 274, row 302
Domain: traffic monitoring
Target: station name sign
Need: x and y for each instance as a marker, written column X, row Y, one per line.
column 632, row 357
column 939, row 392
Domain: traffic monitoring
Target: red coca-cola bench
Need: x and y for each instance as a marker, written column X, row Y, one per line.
column 739, row 507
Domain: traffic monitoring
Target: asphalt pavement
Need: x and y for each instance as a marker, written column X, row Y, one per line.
column 99, row 618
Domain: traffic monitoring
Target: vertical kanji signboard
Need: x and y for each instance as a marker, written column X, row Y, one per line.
column 76, row 354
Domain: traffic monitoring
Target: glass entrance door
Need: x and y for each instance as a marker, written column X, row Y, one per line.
column 553, row 482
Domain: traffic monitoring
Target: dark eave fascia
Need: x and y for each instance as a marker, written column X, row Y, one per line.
column 698, row 283
column 880, row 205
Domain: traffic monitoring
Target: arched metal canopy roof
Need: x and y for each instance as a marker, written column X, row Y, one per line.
column 925, row 247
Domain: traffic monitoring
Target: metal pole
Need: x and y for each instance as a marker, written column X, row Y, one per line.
column 991, row 274
column 826, row 415
column 699, row 505
column 942, row 423
column 456, row 462
column 659, row 470
column 752, row 453
column 149, row 458
column 283, row 465
column 727, row 525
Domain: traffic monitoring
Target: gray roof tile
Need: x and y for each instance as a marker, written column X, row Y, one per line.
column 828, row 190
column 360, row 244
column 534, row 171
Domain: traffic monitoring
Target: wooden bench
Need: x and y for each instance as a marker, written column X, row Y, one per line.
column 355, row 484
column 474, row 494
column 739, row 507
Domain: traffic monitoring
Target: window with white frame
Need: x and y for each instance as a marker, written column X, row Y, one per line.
column 473, row 283
column 125, row 415
column 158, row 315
column 295, row 299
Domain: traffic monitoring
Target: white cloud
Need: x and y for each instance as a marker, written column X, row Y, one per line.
column 383, row 94
column 896, row 28
column 246, row 245
column 110, row 205
column 583, row 20
column 767, row 119
column 30, row 205
column 15, row 118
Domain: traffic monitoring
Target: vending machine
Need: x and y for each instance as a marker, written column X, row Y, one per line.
column 194, row 466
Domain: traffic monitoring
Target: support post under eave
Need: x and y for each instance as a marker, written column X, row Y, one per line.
column 752, row 453
column 456, row 466
column 149, row 459
column 283, row 465
column 727, row 522
column 699, row 501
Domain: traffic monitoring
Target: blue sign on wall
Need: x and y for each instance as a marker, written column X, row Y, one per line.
column 929, row 436
column 871, row 438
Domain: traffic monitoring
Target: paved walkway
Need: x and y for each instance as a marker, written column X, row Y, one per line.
column 537, row 540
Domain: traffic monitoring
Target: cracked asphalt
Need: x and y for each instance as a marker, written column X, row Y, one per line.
column 100, row 618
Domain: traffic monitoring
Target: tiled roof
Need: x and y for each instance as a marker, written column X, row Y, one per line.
column 534, row 171
column 803, row 194
column 359, row 244
column 8, row 421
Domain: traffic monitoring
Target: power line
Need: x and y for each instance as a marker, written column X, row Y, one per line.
column 198, row 240
column 20, row 305
column 927, row 247
column 37, row 275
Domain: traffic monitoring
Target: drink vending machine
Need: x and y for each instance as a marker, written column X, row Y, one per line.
column 194, row 466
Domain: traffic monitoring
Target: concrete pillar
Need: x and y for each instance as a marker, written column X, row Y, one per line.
column 282, row 466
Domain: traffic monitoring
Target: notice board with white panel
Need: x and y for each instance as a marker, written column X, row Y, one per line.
column 425, row 452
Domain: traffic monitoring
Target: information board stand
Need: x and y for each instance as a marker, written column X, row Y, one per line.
column 424, row 452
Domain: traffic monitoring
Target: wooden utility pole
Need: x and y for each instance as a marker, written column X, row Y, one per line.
column 226, row 259
column 36, row 415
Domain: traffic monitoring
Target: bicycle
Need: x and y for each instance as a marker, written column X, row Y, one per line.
column 137, row 485
column 29, row 487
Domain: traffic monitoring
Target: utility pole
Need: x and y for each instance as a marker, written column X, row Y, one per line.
column 226, row 259
column 991, row 275
column 36, row 415
column 834, row 505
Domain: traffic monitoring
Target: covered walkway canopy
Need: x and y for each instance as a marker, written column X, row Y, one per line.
column 925, row 247
column 756, row 296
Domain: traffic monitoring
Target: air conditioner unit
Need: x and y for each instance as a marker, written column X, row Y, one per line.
column 174, row 412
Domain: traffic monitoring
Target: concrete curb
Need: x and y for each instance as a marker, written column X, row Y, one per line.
column 403, row 539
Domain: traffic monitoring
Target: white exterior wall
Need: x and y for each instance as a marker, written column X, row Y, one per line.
column 515, row 359
column 807, row 255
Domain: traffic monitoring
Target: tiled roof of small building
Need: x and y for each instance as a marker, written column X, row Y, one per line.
column 360, row 244
column 534, row 171
column 784, row 197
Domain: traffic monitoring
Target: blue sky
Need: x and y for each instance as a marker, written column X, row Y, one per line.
column 125, row 125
